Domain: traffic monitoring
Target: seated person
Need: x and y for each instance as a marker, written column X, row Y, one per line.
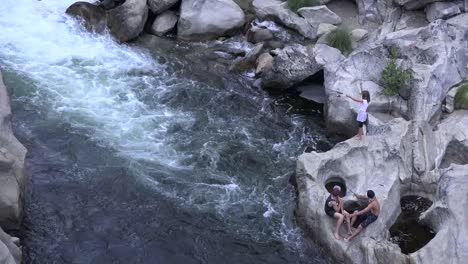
column 368, row 215
column 334, row 208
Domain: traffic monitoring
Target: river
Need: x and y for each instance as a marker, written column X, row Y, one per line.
column 133, row 158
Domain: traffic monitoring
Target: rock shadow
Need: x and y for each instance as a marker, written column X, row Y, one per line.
column 408, row 231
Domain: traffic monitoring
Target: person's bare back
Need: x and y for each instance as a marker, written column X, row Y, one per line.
column 375, row 207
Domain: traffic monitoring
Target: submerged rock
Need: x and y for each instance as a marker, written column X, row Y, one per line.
column 127, row 21
column 209, row 19
column 93, row 16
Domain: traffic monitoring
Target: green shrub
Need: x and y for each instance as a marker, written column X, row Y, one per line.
column 294, row 5
column 393, row 78
column 340, row 38
column 461, row 98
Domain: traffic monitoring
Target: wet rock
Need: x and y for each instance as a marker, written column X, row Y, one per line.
column 257, row 34
column 325, row 28
column 264, row 62
column 319, row 14
column 248, row 61
column 279, row 12
column 127, row 21
column 159, row 6
column 164, row 23
column 209, row 19
column 109, row 4
column 12, row 155
column 441, row 10
column 92, row 16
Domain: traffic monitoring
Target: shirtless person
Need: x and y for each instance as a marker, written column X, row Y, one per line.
column 368, row 214
column 334, row 208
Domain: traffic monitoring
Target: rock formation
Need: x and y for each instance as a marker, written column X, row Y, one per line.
column 126, row 22
column 164, row 23
column 12, row 155
column 208, row 19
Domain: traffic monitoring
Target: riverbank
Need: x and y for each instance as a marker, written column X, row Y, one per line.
column 12, row 173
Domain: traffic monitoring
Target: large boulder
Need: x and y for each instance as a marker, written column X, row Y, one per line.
column 279, row 12
column 92, row 16
column 400, row 158
column 127, row 21
column 164, row 23
column 208, row 19
column 319, row 14
column 295, row 63
column 159, row 6
column 291, row 65
column 441, row 10
column 411, row 20
column 12, row 155
column 258, row 34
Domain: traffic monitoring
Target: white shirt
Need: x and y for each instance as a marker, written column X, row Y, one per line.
column 362, row 111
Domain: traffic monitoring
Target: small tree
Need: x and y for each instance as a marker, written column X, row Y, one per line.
column 461, row 98
column 294, row 5
column 393, row 77
column 340, row 38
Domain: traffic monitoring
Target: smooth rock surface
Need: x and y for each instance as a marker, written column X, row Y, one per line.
column 127, row 21
column 12, row 155
column 291, row 65
column 375, row 11
column 441, row 10
column 209, row 19
column 399, row 158
column 319, row 14
column 279, row 12
column 159, row 6
column 164, row 23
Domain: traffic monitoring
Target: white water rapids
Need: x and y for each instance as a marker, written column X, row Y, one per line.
column 216, row 152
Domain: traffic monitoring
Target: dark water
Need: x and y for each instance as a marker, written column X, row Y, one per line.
column 152, row 152
column 408, row 232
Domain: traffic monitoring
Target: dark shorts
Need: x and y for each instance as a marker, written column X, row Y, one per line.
column 361, row 124
column 367, row 219
column 330, row 212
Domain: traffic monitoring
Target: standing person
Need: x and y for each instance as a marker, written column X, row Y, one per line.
column 362, row 110
column 334, row 208
column 368, row 214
